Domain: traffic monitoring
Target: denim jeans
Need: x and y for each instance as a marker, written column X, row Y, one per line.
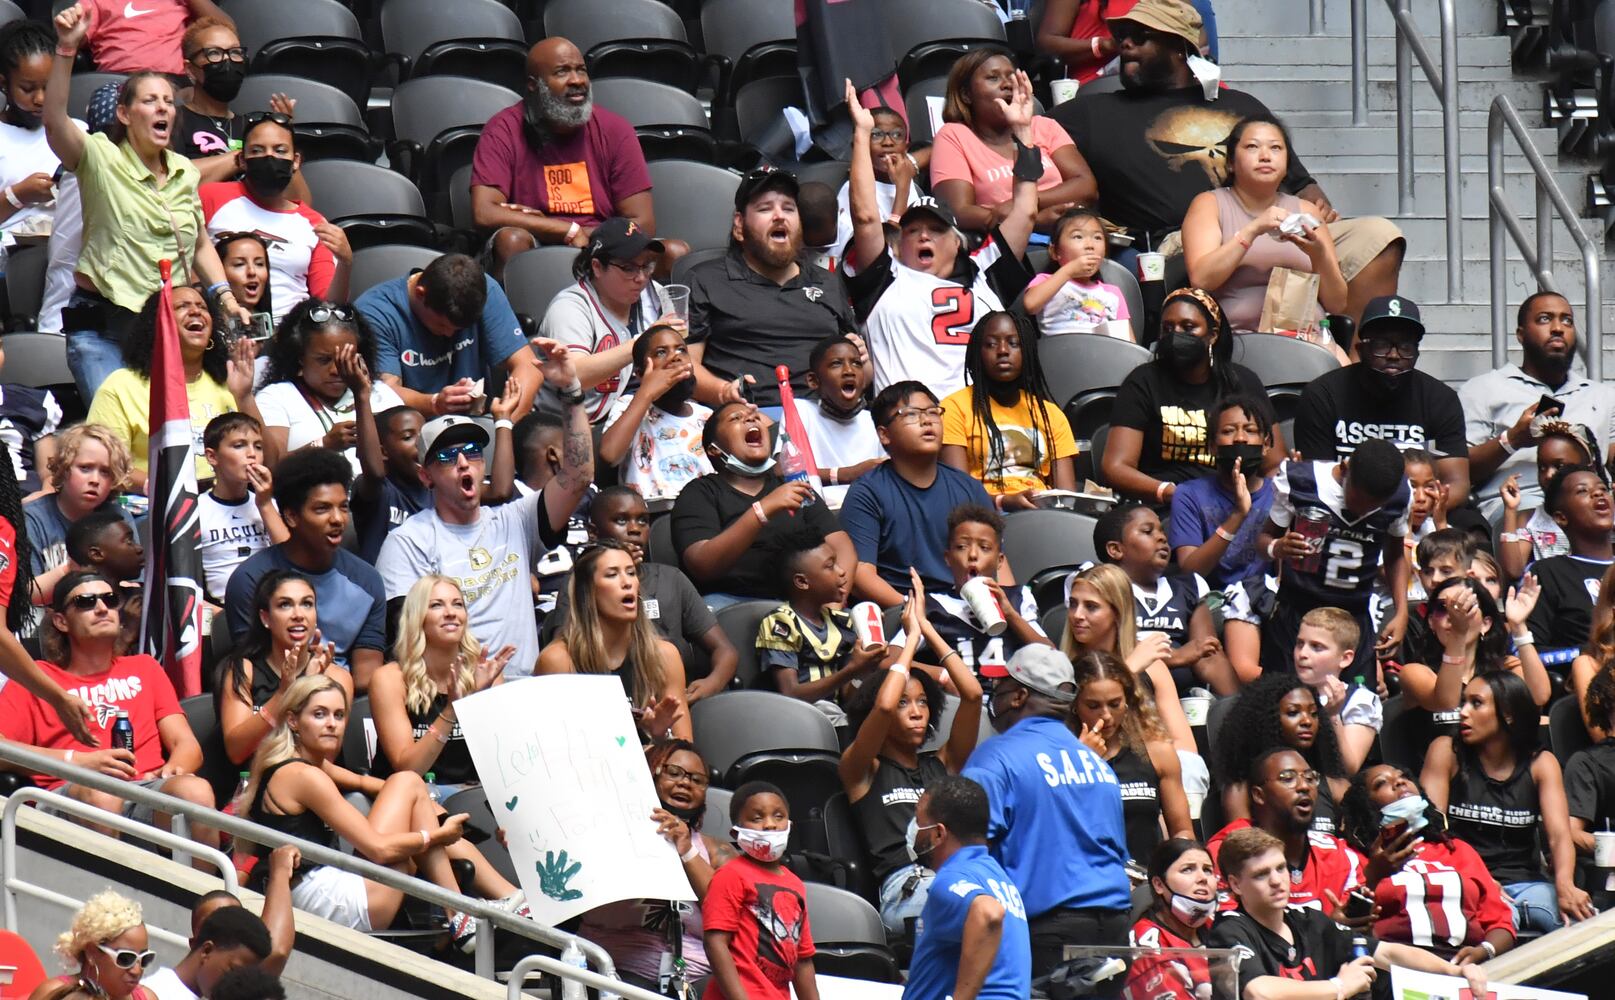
column 1536, row 906
column 900, row 901
column 93, row 354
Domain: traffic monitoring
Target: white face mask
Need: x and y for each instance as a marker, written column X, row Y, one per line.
column 912, row 832
column 1208, row 73
column 1193, row 912
column 766, row 846
column 739, row 467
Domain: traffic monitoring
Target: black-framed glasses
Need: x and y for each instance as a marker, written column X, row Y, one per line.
column 214, row 54
column 1290, row 777
column 450, row 453
column 331, row 312
column 252, row 119
column 128, row 958
column 87, row 602
column 676, row 774
column 1386, row 348
column 880, row 134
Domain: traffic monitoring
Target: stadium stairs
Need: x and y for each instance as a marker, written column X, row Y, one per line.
column 1266, row 49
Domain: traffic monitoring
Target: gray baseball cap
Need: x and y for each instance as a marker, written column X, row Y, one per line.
column 1042, row 669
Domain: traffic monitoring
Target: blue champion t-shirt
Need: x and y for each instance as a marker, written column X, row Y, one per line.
column 971, row 872
column 1056, row 823
column 426, row 362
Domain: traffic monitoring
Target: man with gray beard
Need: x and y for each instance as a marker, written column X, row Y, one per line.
column 550, row 169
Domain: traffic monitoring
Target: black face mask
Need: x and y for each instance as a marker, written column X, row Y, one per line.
column 222, row 80
column 1249, row 456
column 1184, row 351
column 677, row 394
column 267, row 175
column 691, row 816
column 23, row 119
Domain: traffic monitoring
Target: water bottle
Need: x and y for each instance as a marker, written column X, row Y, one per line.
column 123, row 732
column 1359, row 946
column 572, row 989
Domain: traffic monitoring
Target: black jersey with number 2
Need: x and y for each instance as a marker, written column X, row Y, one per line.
column 1345, row 573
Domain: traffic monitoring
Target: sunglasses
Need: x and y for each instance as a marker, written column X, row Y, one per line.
column 126, row 958
column 330, row 312
column 253, row 118
column 87, row 602
column 448, row 454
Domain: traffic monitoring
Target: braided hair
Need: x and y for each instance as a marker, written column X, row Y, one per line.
column 19, row 612
column 1030, row 385
column 21, row 40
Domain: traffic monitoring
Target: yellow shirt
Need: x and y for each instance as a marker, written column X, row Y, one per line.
column 130, row 223
column 1023, row 442
column 123, row 404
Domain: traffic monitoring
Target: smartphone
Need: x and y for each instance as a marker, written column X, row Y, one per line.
column 1547, row 404
column 262, row 327
column 1359, row 904
column 748, row 392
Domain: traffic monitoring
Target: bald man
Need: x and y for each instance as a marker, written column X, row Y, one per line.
column 550, row 169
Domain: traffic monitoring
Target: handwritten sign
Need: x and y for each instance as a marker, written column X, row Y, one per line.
column 561, row 762
column 1409, row 985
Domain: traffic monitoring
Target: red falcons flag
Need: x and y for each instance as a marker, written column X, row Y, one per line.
column 171, row 611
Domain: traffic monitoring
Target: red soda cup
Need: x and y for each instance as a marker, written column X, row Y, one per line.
column 1311, row 523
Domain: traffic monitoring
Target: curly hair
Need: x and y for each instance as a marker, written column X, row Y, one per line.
column 1252, row 725
column 286, row 347
column 103, row 917
column 67, row 452
column 140, row 346
column 1360, row 819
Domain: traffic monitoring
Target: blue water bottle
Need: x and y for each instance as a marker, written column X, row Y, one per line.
column 123, row 732
column 1359, row 946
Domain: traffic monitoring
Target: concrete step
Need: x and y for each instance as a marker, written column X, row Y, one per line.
column 1240, row 51
column 1340, row 72
column 1284, row 96
column 1375, row 192
column 1426, row 280
column 1381, row 140
column 1292, row 17
column 1427, row 238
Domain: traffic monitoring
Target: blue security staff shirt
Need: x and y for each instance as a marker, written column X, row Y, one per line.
column 426, row 362
column 1056, row 821
column 971, row 872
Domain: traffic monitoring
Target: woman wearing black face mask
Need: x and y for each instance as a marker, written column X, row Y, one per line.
column 638, row 933
column 311, row 257
column 1215, row 519
column 26, row 161
column 1161, row 433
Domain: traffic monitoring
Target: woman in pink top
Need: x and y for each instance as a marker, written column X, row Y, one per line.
column 973, row 156
column 1231, row 237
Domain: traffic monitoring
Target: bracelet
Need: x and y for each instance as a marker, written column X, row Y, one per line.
column 1340, row 988
column 572, row 231
column 216, row 288
column 757, row 508
column 1093, row 46
column 69, row 758
column 503, row 424
column 901, row 668
column 1242, row 241
column 572, row 395
column 1447, row 658
column 11, row 197
column 1224, row 534
column 1525, row 638
column 1160, row 489
column 1491, row 949
column 952, row 652
column 426, row 838
column 67, row 53
column 692, row 853
column 1510, row 536
column 834, row 479
column 1502, row 442
column 1270, row 547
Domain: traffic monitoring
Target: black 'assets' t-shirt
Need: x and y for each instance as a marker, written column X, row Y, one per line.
column 197, row 136
column 1152, row 153
column 1174, row 417
column 1340, row 410
column 1321, row 946
column 1563, row 617
column 708, row 505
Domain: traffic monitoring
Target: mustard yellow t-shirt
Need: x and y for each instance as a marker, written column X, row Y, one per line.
column 123, row 404
column 1023, row 439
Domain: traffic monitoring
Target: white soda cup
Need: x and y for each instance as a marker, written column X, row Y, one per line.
column 1151, row 266
column 1604, row 848
column 983, row 605
column 1062, row 90
column 869, row 625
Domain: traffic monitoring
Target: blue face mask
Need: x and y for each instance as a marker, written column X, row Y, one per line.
column 1412, row 809
column 740, row 468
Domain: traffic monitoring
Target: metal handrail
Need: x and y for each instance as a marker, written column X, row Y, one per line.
column 487, row 916
column 1410, row 45
column 1501, row 218
column 556, row 967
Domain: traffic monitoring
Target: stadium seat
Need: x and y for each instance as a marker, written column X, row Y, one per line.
column 1096, row 454
column 760, row 106
column 849, row 936
column 1111, row 84
column 1116, row 274
column 671, row 123
column 25, row 971
column 532, row 278
column 437, row 120
column 11, row 12
column 36, row 359
column 355, row 754
column 482, row 39
column 659, row 547
column 84, row 86
column 1052, row 621
column 694, row 202
column 830, row 173
column 217, row 769
column 1216, row 714
column 739, row 731
column 327, row 123
column 1037, row 541
column 715, row 823
column 316, row 40
column 373, row 205
column 25, row 285
column 1566, row 730
column 927, row 36
column 460, row 216
column 640, row 38
column 739, row 623
column 1405, row 733
column 748, row 40
column 843, row 841
column 1083, row 374
column 474, row 802
column 374, row 265
column 1284, row 364
column 916, row 104
column 681, row 267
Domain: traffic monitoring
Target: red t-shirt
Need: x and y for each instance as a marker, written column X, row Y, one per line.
column 135, row 684
column 1163, row 977
column 1089, row 24
column 8, row 563
column 766, row 911
column 1332, row 864
column 1443, row 898
column 134, row 35
column 581, row 177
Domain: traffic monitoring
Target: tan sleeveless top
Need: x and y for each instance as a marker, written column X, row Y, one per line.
column 1242, row 294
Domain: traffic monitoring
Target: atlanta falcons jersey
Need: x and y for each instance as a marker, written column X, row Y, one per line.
column 917, row 325
column 1331, row 864
column 1346, row 572
column 1318, row 949
column 1168, row 606
column 1165, row 977
column 1443, row 898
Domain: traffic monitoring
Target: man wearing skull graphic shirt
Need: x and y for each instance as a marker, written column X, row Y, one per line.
column 1384, row 396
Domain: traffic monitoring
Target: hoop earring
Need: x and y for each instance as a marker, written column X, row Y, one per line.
column 209, row 346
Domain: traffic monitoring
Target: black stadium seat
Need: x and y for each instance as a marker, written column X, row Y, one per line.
column 694, row 202
column 1284, row 364
column 437, row 121
column 317, row 40
column 739, row 623
column 915, row 98
column 927, row 36
column 534, row 276
column 748, row 40
column 1036, row 541
column 10, row 12
column 1083, row 374
column 216, row 769
column 36, row 359
column 849, row 936
column 327, row 123
column 759, row 107
column 1116, row 274
column 25, row 286
column 482, row 39
column 374, row 265
column 84, row 86
column 671, row 123
column 373, row 205
column 641, row 38
column 681, row 267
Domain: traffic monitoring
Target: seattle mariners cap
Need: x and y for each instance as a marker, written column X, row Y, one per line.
column 1391, row 312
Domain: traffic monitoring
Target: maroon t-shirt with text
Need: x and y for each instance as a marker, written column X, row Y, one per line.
column 581, row 177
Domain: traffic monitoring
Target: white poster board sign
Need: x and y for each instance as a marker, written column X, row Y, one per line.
column 560, row 759
column 1409, row 985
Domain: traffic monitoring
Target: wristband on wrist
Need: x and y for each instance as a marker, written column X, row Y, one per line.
column 11, row 197
column 503, row 424
column 426, row 838
column 1093, row 44
column 1270, row 547
column 693, row 852
column 572, row 231
column 1225, row 534
column 69, row 758
column 67, row 53
column 1502, row 442
column 757, row 508
column 1491, row 949
column 1340, row 988
column 216, row 288
column 900, row 668
column 1449, row 658
column 1242, row 241
column 1525, row 638
column 1510, row 536
column 834, row 479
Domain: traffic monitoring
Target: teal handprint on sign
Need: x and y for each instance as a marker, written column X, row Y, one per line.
column 553, row 875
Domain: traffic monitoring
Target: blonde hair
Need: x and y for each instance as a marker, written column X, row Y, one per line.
column 1142, row 723
column 103, row 917
column 279, row 743
column 410, row 648
column 582, row 637
column 67, row 450
column 1116, row 590
column 1342, row 627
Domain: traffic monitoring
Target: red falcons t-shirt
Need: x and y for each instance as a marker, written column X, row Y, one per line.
column 1331, row 864
column 135, row 684
column 1162, row 977
column 766, row 911
column 1443, row 898
column 8, row 563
